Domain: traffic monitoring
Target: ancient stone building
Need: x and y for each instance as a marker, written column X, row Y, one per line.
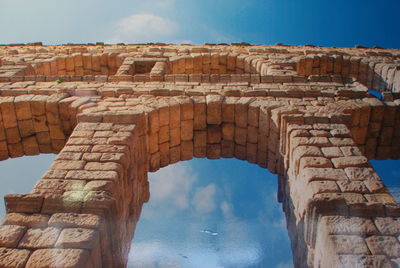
column 115, row 113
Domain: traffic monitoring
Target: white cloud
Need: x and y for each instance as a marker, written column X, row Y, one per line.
column 227, row 210
column 203, row 200
column 144, row 28
column 169, row 189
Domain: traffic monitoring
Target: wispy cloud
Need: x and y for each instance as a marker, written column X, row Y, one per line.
column 170, row 188
column 144, row 28
column 227, row 210
column 203, row 200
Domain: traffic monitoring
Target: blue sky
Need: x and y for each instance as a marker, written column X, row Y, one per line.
column 325, row 23
column 239, row 221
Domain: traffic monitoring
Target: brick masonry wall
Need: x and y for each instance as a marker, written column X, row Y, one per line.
column 119, row 112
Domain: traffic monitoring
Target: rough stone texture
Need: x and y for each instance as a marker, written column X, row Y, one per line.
column 67, row 258
column 115, row 113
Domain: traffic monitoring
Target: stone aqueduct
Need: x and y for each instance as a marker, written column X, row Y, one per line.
column 115, row 113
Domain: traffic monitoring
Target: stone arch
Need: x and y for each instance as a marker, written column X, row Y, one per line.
column 372, row 72
column 317, row 135
column 37, row 123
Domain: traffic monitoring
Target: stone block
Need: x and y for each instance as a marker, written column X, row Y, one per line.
column 241, row 111
column 199, row 113
column 348, row 225
column 92, row 175
column 214, row 134
column 67, row 258
column 35, row 238
column 10, row 235
column 186, row 150
column 350, row 161
column 316, row 162
column 240, row 152
column 348, row 244
column 228, row 109
column 22, row 219
column 80, row 238
column 331, row 152
column 214, row 109
column 240, row 135
column 13, row 258
column 352, row 186
column 187, row 130
column 384, row 245
column 363, row 261
column 388, row 225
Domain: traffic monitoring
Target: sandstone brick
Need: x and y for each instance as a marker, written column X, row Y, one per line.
column 384, row 245
column 164, row 154
column 323, row 187
column 227, row 148
column 350, row 161
column 103, row 166
column 30, row 220
column 228, row 109
column 81, row 238
column 384, row 198
column 317, row 162
column 240, row 152
column 213, row 151
column 388, row 226
column 92, row 175
column 199, row 113
column 163, row 134
column 39, row 238
column 27, row 203
column 358, row 173
column 67, row 258
column 315, row 141
column 241, row 111
column 7, row 108
column 311, row 174
column 348, row 225
column 352, row 186
column 154, row 161
column 349, row 244
column 375, row 186
column 99, row 185
column 175, row 154
column 13, row 258
column 240, row 135
column 214, row 134
column 363, row 261
column 68, row 165
column 214, row 109
column 350, row 151
column 186, row 150
column 10, row 235
column 228, row 131
column 13, row 135
column 342, row 141
column 187, row 130
column 331, row 152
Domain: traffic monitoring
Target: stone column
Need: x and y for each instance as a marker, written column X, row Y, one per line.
column 338, row 211
column 83, row 211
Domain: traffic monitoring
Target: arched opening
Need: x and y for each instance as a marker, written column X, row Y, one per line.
column 205, row 213
column 19, row 175
column 389, row 172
